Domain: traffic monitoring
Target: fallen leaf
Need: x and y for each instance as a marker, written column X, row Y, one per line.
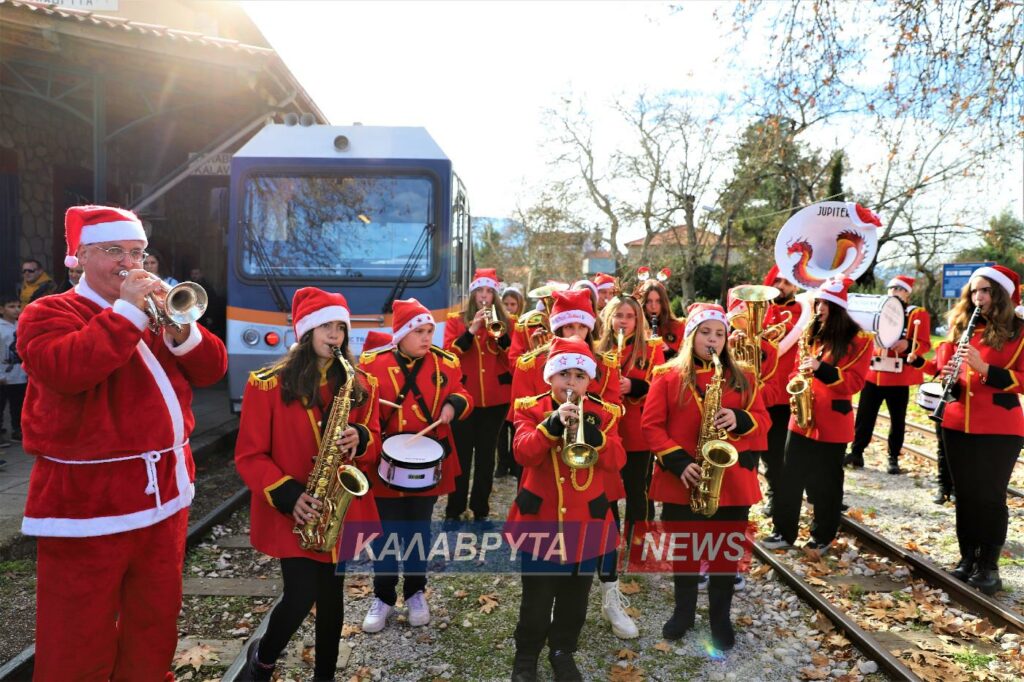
column 633, row 612
column 348, row 630
column 856, row 514
column 837, row 641
column 309, row 654
column 197, row 657
column 626, row 654
column 629, row 587
column 744, row 620
column 488, row 602
column 822, row 623
column 663, row 646
column 461, row 594
column 819, row 660
column 627, row 673
column 812, row 673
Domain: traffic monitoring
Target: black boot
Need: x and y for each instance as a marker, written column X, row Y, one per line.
column 941, row 497
column 894, row 465
column 524, row 667
column 968, row 560
column 719, row 607
column 685, row 610
column 986, row 572
column 254, row 671
column 855, row 460
column 564, row 666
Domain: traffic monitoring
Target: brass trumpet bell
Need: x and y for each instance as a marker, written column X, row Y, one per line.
column 576, row 453
column 495, row 327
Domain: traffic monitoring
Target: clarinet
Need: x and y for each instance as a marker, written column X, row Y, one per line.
column 954, row 375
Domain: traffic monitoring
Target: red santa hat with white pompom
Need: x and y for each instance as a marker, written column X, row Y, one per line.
column 1007, row 279
column 97, row 224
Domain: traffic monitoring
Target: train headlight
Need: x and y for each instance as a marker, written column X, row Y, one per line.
column 251, row 337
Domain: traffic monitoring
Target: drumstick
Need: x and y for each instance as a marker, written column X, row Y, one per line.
column 389, row 403
column 429, row 428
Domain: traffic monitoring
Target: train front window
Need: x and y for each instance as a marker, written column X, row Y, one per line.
column 338, row 227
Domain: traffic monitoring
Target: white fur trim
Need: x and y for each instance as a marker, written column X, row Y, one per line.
column 71, row 261
column 113, row 231
column 483, row 282
column 589, row 285
column 564, row 361
column 895, row 282
column 606, row 285
column 508, row 290
column 416, row 322
column 832, row 297
column 194, row 337
column 134, row 315
column 695, row 320
column 569, row 316
column 331, row 313
column 994, row 275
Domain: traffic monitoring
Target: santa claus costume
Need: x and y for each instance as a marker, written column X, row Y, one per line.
column 284, row 410
column 108, row 415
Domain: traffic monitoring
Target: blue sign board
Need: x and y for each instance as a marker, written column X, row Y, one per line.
column 956, row 275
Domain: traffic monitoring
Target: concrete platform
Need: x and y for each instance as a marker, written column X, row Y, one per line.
column 215, row 426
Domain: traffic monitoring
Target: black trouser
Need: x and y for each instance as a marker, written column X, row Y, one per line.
column 537, row 624
column 817, row 468
column 308, row 582
column 408, row 517
column 774, row 456
column 871, row 398
column 636, row 478
column 475, row 440
column 685, row 584
column 942, row 464
column 608, row 568
column 981, row 465
column 506, row 462
column 14, row 396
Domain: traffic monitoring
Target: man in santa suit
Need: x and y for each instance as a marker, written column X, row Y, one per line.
column 107, row 416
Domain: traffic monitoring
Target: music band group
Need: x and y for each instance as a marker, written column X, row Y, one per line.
column 592, row 397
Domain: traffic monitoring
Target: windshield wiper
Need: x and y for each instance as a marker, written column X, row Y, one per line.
column 276, row 291
column 410, row 266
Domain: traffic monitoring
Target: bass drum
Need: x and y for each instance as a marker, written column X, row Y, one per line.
column 929, row 395
column 883, row 316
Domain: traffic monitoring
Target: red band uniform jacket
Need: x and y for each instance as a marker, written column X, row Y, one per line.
column 673, row 336
column 767, row 386
column 486, row 372
column 986, row 404
column 911, row 375
column 276, row 449
column 439, row 380
column 775, row 381
column 834, row 387
column 673, row 431
column 630, row 428
column 103, row 386
column 548, row 494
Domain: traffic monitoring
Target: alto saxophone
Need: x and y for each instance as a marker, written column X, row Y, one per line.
column 331, row 482
column 801, row 395
column 714, row 453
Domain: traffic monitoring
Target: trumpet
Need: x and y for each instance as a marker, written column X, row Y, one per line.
column 495, row 327
column 183, row 304
column 620, row 341
column 576, row 454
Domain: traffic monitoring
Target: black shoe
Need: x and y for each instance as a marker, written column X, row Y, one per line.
column 986, row 572
column 723, row 637
column 819, row 547
column 941, row 497
column 894, row 466
column 968, row 561
column 524, row 667
column 564, row 667
column 843, row 507
column 855, row 461
column 685, row 611
column 16, row 436
column 254, row 671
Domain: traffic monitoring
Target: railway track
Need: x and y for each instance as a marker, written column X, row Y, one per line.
column 21, row 666
column 929, row 431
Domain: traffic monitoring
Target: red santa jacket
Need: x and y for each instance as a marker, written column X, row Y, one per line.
column 633, row 437
column 778, row 376
column 918, row 337
column 107, row 413
column 439, row 380
column 486, row 372
column 834, row 386
column 277, row 445
column 988, row 404
column 673, row 430
column 552, row 493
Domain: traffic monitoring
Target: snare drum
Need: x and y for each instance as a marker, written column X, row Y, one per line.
column 884, row 316
column 929, row 395
column 410, row 466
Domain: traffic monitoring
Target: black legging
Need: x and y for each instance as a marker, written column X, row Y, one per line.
column 553, row 608
column 308, row 582
column 608, row 565
column 871, row 398
column 981, row 465
column 817, row 468
column 475, row 440
column 636, row 479
column 408, row 519
column 774, row 457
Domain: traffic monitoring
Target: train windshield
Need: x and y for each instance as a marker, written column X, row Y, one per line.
column 369, row 227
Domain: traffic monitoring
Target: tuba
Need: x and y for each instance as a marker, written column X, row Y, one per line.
column 495, row 327
column 799, row 388
column 537, row 327
column 714, row 453
column 757, row 299
column 183, row 304
column 331, row 482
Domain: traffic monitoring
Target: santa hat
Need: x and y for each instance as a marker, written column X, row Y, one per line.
column 569, row 354
column 484, row 277
column 664, row 274
column 773, row 274
column 376, row 340
column 603, row 281
column 1004, row 277
column 734, row 306
column 901, row 281
column 862, row 217
column 408, row 315
column 699, row 313
column 582, row 284
column 511, row 289
column 836, row 290
column 572, row 306
column 311, row 307
column 95, row 224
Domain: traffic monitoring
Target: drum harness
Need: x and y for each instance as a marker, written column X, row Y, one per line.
column 410, row 374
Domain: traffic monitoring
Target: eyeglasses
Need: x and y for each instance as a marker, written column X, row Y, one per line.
column 29, row 271
column 117, row 253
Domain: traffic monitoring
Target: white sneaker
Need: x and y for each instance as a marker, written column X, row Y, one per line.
column 377, row 617
column 613, row 610
column 702, row 583
column 419, row 611
column 739, row 584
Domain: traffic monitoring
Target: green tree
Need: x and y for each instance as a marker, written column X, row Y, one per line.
column 1004, row 243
